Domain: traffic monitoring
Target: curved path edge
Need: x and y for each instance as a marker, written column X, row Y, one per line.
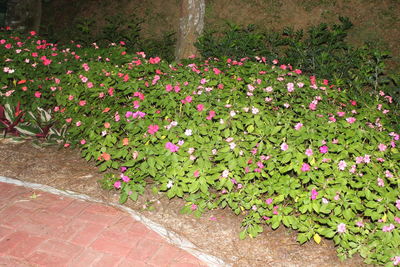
column 171, row 237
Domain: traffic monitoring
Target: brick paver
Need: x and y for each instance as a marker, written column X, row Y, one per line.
column 42, row 229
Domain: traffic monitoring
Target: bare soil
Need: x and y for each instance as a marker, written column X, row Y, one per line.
column 64, row 169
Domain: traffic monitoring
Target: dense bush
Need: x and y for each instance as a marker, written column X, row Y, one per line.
column 260, row 139
column 322, row 52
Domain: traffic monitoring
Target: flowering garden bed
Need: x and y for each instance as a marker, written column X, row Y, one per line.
column 258, row 138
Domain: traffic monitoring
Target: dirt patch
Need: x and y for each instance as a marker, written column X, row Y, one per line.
column 216, row 232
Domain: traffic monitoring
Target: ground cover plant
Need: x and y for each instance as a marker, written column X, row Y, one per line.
column 257, row 137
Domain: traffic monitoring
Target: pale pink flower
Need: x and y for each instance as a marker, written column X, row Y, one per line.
column 388, row 228
column 284, row 147
column 269, row 201
column 351, row 120
column 396, row 260
column 388, row 174
column 342, row 165
column 382, row 147
column 298, row 126
column 309, row 152
column 225, row 173
column 380, row 182
column 341, row 228
column 360, row 224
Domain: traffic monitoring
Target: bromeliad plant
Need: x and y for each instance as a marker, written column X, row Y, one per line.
column 260, row 139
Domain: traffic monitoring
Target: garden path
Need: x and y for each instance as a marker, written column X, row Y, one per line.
column 39, row 228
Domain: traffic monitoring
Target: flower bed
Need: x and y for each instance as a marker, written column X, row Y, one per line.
column 260, row 139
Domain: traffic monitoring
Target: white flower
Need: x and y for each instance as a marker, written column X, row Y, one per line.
column 174, row 123
column 232, row 113
column 191, row 150
column 214, row 152
column 188, row 132
column 232, row 145
column 225, row 173
column 170, row 184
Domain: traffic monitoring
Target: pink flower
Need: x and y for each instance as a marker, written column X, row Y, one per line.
column 138, row 114
column 341, row 113
column 117, row 184
column 38, row 94
column 269, row 201
column 284, row 147
column 382, row 147
column 83, row 141
column 342, row 165
column 82, row 103
column 168, row 87
column 290, row 87
column 396, row 260
column 323, row 149
column 398, row 204
column 388, row 228
column 171, row 147
column 298, row 126
column 381, row 183
column 388, row 174
column 360, row 224
column 153, row 129
column 211, row 115
column 305, row 167
column 309, row 152
column 196, row 173
column 154, row 60
column 341, row 228
column 216, row 71
column 312, row 106
column 200, row 107
column 351, row 120
column 90, row 85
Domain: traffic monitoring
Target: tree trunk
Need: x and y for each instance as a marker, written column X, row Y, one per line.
column 190, row 28
column 24, row 15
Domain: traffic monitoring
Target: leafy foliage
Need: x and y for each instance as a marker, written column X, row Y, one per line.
column 271, row 144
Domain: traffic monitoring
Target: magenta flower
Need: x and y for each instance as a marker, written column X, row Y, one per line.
column 341, row 228
column 305, row 167
column 153, row 129
column 323, row 149
column 138, row 114
column 117, row 184
column 200, row 107
column 314, row 194
column 171, row 147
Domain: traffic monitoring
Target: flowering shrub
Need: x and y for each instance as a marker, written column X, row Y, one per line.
column 260, row 139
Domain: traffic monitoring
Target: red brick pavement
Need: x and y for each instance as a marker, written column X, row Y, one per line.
column 42, row 229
